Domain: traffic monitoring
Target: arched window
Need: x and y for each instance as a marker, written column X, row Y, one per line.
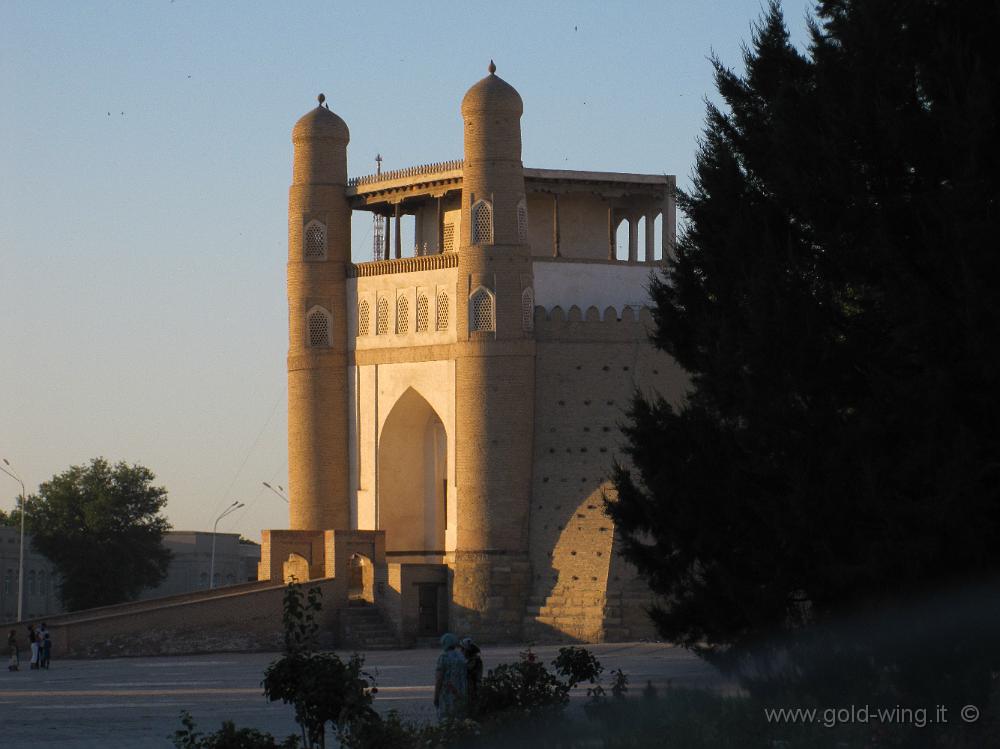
column 528, row 309
column 318, row 327
column 382, row 317
column 314, row 240
column 481, row 310
column 482, row 223
column 423, row 313
column 522, row 221
column 441, row 323
column 230, row 579
column 364, row 317
column 621, row 240
column 402, row 314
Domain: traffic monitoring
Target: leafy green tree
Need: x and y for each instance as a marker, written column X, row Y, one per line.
column 100, row 526
column 319, row 685
column 834, row 299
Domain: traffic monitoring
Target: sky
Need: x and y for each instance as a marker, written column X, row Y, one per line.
column 145, row 158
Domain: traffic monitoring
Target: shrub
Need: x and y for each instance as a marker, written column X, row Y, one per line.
column 228, row 737
column 319, row 685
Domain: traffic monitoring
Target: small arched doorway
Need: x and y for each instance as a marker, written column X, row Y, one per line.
column 412, row 477
column 360, row 580
column 295, row 569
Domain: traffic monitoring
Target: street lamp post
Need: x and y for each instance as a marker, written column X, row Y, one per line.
column 211, row 570
column 280, row 491
column 9, row 470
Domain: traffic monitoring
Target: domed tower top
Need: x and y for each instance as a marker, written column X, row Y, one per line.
column 493, row 202
column 492, row 111
column 492, row 94
column 320, row 139
column 320, row 123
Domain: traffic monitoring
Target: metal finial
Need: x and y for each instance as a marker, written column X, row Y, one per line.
column 492, row 68
column 378, row 163
column 321, row 98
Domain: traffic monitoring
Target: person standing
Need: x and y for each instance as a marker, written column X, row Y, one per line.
column 12, row 649
column 474, row 667
column 45, row 643
column 451, row 678
column 33, row 644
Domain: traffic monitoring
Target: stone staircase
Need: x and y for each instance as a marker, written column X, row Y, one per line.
column 588, row 615
column 362, row 627
column 561, row 618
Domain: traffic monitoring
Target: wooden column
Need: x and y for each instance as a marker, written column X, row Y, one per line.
column 612, row 254
column 440, row 224
column 397, row 212
column 418, row 232
column 386, row 238
column 633, row 238
column 555, row 225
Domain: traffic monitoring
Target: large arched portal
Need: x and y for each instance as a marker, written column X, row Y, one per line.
column 412, row 477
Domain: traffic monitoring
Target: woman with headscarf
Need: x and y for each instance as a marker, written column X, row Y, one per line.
column 450, row 680
column 474, row 666
column 33, row 643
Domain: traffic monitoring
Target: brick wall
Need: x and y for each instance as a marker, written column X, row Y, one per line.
column 246, row 619
column 587, row 367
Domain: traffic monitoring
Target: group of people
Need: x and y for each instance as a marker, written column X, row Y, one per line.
column 457, row 676
column 41, row 648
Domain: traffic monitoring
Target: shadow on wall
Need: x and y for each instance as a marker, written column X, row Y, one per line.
column 587, row 592
column 587, row 367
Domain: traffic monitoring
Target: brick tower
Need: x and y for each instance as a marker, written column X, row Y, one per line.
column 319, row 248
column 494, row 369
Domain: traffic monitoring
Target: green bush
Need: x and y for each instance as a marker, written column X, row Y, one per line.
column 319, row 685
column 323, row 689
column 392, row 732
column 577, row 665
column 526, row 686
column 228, row 737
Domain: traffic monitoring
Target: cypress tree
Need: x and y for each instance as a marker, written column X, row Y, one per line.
column 834, row 301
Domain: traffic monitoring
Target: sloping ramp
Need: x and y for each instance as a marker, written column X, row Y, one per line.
column 239, row 618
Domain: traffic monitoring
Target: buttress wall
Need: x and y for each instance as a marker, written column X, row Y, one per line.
column 587, row 367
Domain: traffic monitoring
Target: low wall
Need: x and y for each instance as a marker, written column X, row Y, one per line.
column 243, row 618
column 146, row 603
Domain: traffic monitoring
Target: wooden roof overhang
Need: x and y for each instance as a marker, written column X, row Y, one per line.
column 381, row 193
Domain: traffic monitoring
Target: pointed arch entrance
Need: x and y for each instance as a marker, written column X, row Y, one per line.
column 412, row 477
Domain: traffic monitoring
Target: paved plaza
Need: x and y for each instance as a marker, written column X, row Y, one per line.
column 135, row 702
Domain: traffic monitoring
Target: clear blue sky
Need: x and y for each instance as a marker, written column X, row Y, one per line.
column 144, row 167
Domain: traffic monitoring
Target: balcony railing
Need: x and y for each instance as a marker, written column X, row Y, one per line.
column 403, row 265
column 410, row 171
